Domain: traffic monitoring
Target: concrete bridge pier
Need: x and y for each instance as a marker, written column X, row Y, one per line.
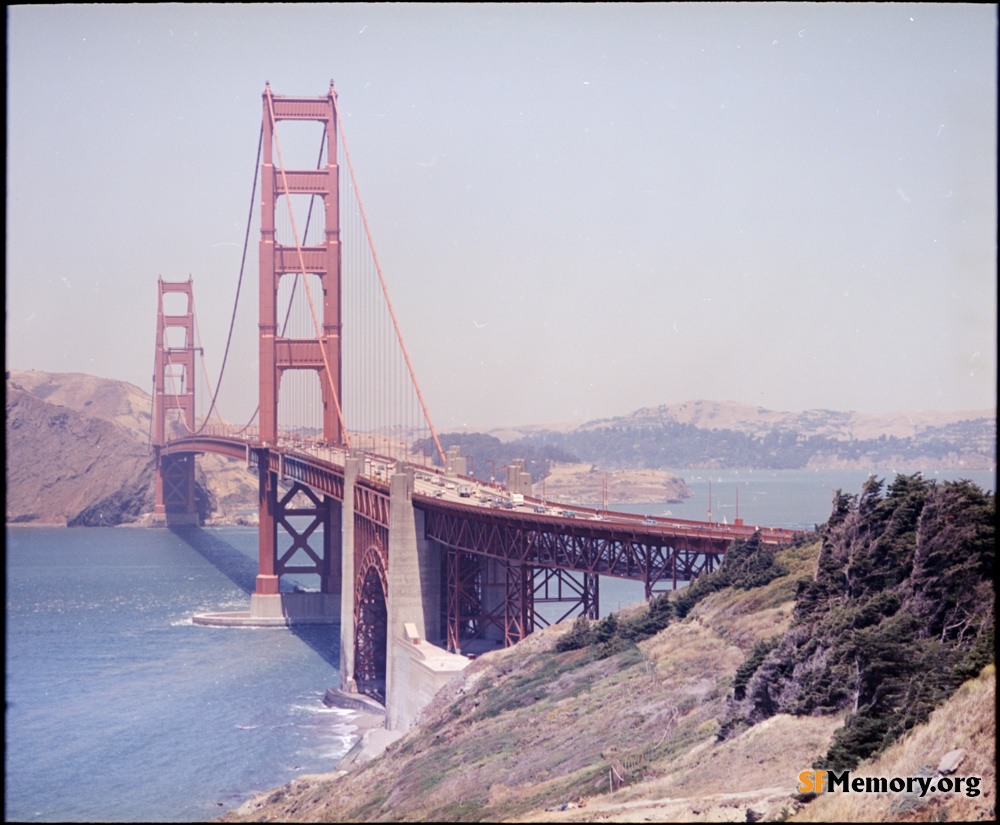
column 416, row 669
column 175, row 491
column 269, row 607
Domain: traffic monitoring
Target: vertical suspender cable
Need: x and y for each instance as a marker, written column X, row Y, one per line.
column 385, row 290
column 239, row 283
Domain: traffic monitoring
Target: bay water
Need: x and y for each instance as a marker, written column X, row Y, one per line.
column 793, row 499
column 119, row 709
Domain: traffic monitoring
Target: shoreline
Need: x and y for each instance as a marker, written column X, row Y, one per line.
column 371, row 719
column 371, row 740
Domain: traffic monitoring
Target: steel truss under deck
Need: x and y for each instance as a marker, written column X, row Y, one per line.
column 497, row 573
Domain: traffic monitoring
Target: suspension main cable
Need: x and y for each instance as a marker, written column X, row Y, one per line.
column 239, row 283
column 204, row 366
column 385, row 289
column 302, row 267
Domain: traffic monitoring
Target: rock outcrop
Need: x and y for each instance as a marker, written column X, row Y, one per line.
column 67, row 467
column 78, row 455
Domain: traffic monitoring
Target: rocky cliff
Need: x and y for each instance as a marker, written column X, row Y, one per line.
column 78, row 455
column 67, row 467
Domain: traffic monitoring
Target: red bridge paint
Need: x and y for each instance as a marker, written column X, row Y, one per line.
column 526, row 558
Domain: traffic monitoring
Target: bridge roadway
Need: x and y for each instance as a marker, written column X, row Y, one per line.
column 419, row 574
column 624, row 545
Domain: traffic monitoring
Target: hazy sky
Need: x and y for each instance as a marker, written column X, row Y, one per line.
column 580, row 209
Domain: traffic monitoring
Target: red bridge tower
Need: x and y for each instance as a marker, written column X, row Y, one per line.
column 323, row 353
column 173, row 381
column 279, row 354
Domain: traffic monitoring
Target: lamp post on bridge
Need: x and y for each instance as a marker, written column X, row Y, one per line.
column 739, row 521
column 493, row 470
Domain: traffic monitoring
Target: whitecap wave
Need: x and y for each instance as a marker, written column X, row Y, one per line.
column 319, row 709
column 335, row 749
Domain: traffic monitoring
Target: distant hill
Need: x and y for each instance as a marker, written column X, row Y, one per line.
column 77, row 448
column 119, row 402
column 722, row 435
column 77, row 454
column 66, row 466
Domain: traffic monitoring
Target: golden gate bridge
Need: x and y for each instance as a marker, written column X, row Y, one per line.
column 335, row 428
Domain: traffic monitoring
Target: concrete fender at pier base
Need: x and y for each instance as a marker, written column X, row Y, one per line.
column 335, row 698
column 278, row 610
column 421, row 670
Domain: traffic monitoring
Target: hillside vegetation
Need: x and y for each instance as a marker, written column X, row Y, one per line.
column 708, row 703
column 899, row 613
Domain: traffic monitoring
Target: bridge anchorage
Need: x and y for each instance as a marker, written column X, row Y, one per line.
column 418, row 575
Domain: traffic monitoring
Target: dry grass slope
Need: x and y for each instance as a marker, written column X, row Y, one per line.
column 525, row 734
column 525, row 730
